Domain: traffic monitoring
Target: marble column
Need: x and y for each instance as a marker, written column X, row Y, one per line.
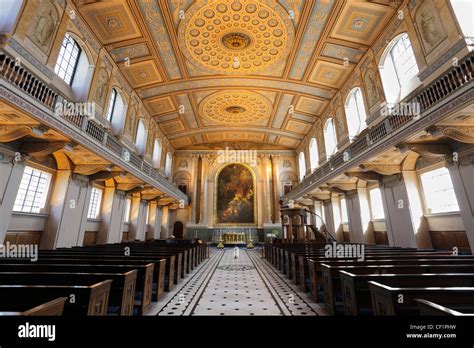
column 67, row 218
column 154, row 220
column 266, row 171
column 462, row 174
column 195, row 189
column 11, row 174
column 329, row 215
column 354, row 217
column 112, row 214
column 276, row 189
column 400, row 228
column 204, row 191
column 165, row 223
column 137, row 218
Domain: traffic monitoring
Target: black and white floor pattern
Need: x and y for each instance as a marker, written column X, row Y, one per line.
column 224, row 285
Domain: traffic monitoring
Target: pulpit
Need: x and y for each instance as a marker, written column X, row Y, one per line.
column 293, row 224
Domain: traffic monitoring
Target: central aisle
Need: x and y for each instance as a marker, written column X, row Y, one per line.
column 236, row 288
column 223, row 285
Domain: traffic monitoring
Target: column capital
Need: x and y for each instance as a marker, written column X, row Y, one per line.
column 392, row 180
column 80, row 180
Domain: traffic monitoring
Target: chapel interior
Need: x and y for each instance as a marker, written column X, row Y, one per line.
column 227, row 143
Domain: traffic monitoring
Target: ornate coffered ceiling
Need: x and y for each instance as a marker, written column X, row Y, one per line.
column 236, row 70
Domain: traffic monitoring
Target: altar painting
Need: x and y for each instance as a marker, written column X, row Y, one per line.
column 235, row 196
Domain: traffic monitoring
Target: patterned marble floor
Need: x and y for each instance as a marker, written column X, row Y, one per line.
column 224, row 285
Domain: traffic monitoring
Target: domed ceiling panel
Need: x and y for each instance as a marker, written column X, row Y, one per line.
column 235, row 108
column 236, row 37
column 291, row 56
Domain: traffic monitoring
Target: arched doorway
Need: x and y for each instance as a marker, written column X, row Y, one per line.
column 178, row 230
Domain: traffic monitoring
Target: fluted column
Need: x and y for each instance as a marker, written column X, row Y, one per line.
column 11, row 174
column 276, row 190
column 204, row 190
column 194, row 193
column 267, row 207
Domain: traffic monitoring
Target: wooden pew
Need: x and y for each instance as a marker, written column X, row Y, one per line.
column 385, row 298
column 54, row 307
column 160, row 281
column 319, row 280
column 305, row 272
column 91, row 299
column 430, row 308
column 356, row 294
column 143, row 288
column 331, row 282
column 122, row 291
column 170, row 275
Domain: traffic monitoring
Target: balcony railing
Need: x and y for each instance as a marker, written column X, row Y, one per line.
column 19, row 76
column 448, row 83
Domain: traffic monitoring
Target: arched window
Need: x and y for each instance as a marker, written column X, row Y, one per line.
column 140, row 137
column 463, row 10
column 115, row 111
column 302, row 165
column 157, row 153
column 330, row 140
column 398, row 68
column 169, row 159
column 66, row 65
column 355, row 112
column 313, row 154
column 73, row 67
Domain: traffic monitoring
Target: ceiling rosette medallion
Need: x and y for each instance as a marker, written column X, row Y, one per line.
column 236, row 36
column 235, row 107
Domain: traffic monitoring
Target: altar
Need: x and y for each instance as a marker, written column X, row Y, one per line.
column 234, row 236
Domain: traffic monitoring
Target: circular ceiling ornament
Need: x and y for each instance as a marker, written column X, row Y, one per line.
column 236, row 36
column 235, row 107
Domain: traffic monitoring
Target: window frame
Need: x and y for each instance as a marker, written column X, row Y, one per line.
column 330, row 120
column 59, row 61
column 345, row 211
column 97, row 204
column 316, row 154
column 359, row 109
column 127, row 207
column 388, row 71
column 46, row 194
column 372, row 218
column 111, row 106
column 423, row 195
column 302, row 173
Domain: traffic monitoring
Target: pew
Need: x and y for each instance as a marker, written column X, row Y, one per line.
column 169, row 279
column 90, row 298
column 356, row 294
column 53, row 307
column 304, row 274
column 143, row 288
column 430, row 308
column 331, row 271
column 122, row 291
column 385, row 298
column 317, row 277
column 158, row 282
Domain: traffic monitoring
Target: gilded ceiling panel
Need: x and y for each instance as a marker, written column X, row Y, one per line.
column 236, row 70
column 236, row 37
